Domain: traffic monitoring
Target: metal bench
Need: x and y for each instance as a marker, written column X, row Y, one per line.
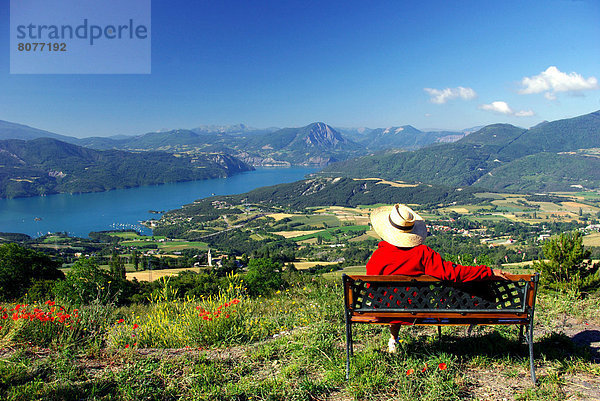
column 427, row 301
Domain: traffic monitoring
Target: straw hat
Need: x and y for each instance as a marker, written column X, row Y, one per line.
column 399, row 225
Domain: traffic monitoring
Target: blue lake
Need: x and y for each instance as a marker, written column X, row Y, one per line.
column 79, row 214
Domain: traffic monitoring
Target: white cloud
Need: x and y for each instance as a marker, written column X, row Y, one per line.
column 524, row 113
column 441, row 96
column 498, row 107
column 503, row 108
column 553, row 80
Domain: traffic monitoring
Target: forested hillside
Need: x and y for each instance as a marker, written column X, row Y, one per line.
column 337, row 192
column 45, row 166
column 499, row 156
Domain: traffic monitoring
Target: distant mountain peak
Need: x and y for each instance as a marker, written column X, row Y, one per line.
column 540, row 124
column 402, row 129
column 322, row 135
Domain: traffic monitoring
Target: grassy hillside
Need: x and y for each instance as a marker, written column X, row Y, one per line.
column 289, row 345
column 544, row 172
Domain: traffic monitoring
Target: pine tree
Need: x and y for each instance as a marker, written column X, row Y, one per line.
column 565, row 262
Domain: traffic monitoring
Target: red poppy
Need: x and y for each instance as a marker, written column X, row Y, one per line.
column 126, row 345
column 442, row 366
column 424, row 368
column 410, row 372
column 120, row 320
column 235, row 301
column 135, row 326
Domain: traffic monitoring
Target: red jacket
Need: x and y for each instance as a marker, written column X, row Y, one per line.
column 389, row 259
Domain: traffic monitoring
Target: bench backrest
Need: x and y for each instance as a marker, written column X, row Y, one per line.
column 423, row 295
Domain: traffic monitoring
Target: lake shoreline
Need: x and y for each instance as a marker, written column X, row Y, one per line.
column 118, row 209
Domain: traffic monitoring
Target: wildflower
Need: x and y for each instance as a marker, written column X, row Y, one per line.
column 235, row 301
column 424, row 368
column 126, row 346
column 120, row 320
column 135, row 326
column 442, row 366
column 410, row 372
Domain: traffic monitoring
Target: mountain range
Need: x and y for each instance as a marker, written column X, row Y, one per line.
column 552, row 156
column 314, row 144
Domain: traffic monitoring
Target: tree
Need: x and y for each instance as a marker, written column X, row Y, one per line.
column 264, row 275
column 87, row 283
column 135, row 256
column 117, row 266
column 20, row 267
column 565, row 264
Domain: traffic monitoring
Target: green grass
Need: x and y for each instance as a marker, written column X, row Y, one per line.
column 483, row 218
column 589, row 195
column 126, row 235
column 328, row 234
column 180, row 245
column 317, row 220
column 296, row 352
column 337, row 275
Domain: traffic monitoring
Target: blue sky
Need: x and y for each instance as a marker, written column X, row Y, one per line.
column 430, row 64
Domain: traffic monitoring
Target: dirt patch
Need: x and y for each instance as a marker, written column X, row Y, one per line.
column 493, row 384
column 293, row 234
column 398, row 184
column 152, row 275
column 280, row 216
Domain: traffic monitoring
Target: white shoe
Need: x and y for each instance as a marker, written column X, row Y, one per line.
column 392, row 345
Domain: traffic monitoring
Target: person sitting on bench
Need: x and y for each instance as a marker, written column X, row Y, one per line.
column 402, row 252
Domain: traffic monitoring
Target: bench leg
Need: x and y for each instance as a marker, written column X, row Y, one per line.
column 440, row 333
column 530, row 341
column 521, row 333
column 349, row 348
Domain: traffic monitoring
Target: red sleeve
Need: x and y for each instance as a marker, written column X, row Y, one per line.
column 444, row 270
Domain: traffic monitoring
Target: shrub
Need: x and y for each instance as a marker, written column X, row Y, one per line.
column 264, row 276
column 87, row 283
column 18, row 268
column 565, row 265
